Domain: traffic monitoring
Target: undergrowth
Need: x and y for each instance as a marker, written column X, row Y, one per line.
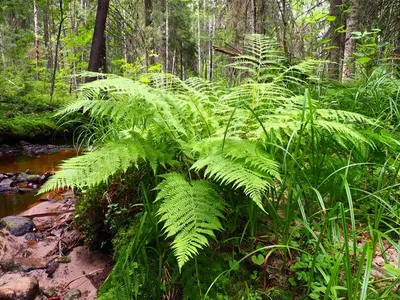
column 277, row 186
column 26, row 111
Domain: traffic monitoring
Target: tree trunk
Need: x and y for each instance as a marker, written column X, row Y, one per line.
column 74, row 31
column 46, row 36
column 148, row 10
column 60, row 26
column 253, row 16
column 97, row 60
column 336, row 41
column 198, row 39
column 36, row 30
column 261, row 15
column 350, row 43
column 2, row 52
column 166, row 34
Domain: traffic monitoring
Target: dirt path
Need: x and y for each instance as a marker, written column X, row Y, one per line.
column 53, row 255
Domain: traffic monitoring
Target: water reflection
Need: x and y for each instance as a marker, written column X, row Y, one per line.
column 14, row 203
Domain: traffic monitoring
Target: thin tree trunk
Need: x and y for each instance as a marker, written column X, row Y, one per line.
column 173, row 62
column 74, row 82
column 261, row 14
column 350, row 43
column 336, row 41
column 2, row 52
column 97, row 60
column 198, row 39
column 36, row 30
column 181, row 59
column 46, row 37
column 55, row 64
column 210, row 49
column 166, row 34
column 148, row 10
column 254, row 16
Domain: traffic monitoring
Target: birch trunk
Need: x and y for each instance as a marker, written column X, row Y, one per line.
column 36, row 31
column 166, row 34
column 198, row 39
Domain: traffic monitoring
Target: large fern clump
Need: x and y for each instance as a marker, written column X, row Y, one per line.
column 267, row 140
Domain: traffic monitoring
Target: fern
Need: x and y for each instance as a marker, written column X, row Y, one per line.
column 92, row 168
column 244, row 164
column 190, row 212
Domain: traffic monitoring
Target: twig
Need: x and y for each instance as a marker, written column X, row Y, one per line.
column 84, row 275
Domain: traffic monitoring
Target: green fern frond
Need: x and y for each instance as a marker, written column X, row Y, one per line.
column 95, row 167
column 190, row 212
column 341, row 116
column 242, row 163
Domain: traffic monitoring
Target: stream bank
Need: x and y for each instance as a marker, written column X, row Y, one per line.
column 47, row 258
column 42, row 256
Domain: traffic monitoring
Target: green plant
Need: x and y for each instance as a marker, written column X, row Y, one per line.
column 265, row 152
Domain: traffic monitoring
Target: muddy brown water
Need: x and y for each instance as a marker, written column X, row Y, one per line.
column 14, row 203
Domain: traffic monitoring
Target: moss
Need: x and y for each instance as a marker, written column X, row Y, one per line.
column 28, row 114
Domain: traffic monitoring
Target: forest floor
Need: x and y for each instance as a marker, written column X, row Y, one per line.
column 53, row 255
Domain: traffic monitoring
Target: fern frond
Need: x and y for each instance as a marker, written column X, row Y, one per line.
column 95, row 167
column 190, row 212
column 242, row 163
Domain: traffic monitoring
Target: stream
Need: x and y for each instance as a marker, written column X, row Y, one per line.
column 38, row 163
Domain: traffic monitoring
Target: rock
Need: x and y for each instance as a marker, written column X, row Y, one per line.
column 33, row 237
column 44, row 177
column 24, row 143
column 25, row 288
column 22, row 177
column 51, row 267
column 33, row 178
column 17, row 225
column 6, row 183
column 8, row 265
column 28, row 171
column 72, row 294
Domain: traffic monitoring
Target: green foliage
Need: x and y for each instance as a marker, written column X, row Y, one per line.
column 302, row 154
column 190, row 212
column 240, row 163
column 135, row 272
column 89, row 216
column 196, row 276
column 93, row 168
